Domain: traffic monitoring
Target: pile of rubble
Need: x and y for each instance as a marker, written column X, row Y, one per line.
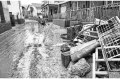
column 101, row 39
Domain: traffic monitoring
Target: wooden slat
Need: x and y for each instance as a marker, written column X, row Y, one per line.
column 101, row 72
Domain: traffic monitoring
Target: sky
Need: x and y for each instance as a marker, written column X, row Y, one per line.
column 36, row 1
column 25, row 2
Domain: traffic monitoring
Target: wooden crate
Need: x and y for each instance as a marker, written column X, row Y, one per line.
column 96, row 62
column 111, row 67
column 112, row 27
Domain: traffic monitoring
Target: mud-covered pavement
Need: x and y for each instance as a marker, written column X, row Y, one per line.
column 31, row 51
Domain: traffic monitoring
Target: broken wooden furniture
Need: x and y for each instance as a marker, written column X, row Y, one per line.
column 112, row 27
column 85, row 28
column 87, row 34
column 103, row 70
column 109, row 36
column 99, row 66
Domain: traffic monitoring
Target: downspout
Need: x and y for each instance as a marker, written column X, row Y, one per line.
column 20, row 9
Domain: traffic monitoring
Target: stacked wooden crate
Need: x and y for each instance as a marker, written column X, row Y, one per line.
column 100, row 68
column 109, row 37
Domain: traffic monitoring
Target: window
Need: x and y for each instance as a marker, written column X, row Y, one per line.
column 87, row 4
column 84, row 6
column 109, row 2
column 10, row 13
column 8, row 2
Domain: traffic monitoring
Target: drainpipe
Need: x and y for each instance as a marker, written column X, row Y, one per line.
column 20, row 9
column 77, row 5
column 112, row 1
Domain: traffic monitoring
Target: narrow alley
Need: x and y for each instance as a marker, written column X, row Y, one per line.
column 59, row 39
column 29, row 52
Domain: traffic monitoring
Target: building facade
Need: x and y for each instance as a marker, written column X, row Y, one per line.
column 4, row 12
column 48, row 10
column 24, row 11
column 38, row 8
column 32, row 11
column 15, row 8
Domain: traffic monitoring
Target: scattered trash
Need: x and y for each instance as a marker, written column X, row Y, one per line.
column 81, row 68
column 100, row 22
column 101, row 66
column 108, row 56
column 87, row 34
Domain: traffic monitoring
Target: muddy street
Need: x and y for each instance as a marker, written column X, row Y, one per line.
column 31, row 51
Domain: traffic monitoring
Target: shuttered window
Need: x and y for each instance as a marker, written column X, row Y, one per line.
column 8, row 2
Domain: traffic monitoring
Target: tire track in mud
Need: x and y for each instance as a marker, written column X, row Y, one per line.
column 33, row 69
column 25, row 64
column 32, row 62
column 22, row 60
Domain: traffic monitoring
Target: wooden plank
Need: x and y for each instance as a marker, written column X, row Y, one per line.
column 101, row 72
column 93, row 69
column 112, row 59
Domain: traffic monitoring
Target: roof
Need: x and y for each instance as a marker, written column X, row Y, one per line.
column 49, row 5
column 25, row 6
column 63, row 2
column 36, row 4
column 71, row 0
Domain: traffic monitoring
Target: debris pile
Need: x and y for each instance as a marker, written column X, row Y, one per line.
column 101, row 38
column 109, row 40
column 80, row 68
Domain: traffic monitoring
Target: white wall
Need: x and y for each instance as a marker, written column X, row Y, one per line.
column 34, row 11
column 5, row 11
column 14, row 7
column 63, row 9
column 39, row 11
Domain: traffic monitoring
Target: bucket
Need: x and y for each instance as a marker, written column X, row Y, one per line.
column 70, row 33
column 66, row 58
column 12, row 20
